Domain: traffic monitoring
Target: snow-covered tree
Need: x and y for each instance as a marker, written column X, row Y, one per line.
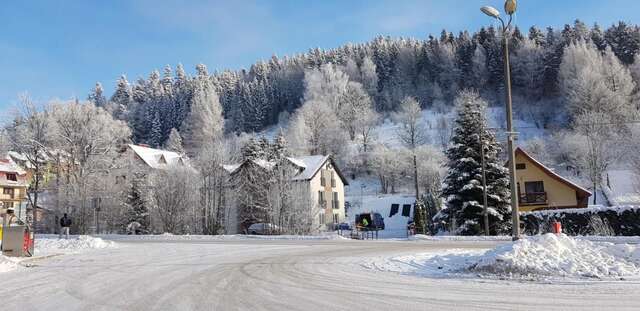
column 97, row 96
column 204, row 124
column 596, row 146
column 354, row 104
column 411, row 132
column 31, row 135
column 463, row 183
column 174, row 143
column 593, row 82
column 174, row 197
column 90, row 138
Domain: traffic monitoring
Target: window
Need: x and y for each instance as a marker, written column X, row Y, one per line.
column 12, row 177
column 394, row 209
column 321, row 218
column 8, row 204
column 533, row 187
column 336, row 218
column 336, row 202
column 322, row 179
column 333, row 180
column 406, row 210
column 521, row 166
column 321, row 198
column 9, row 192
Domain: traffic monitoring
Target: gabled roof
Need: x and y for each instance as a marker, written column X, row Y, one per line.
column 553, row 174
column 309, row 166
column 157, row 158
column 8, row 166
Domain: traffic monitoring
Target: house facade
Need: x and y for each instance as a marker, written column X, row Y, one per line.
column 317, row 183
column 14, row 182
column 540, row 188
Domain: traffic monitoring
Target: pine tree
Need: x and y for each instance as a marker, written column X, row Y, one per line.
column 155, row 138
column 97, row 96
column 463, row 183
column 122, row 99
column 135, row 207
column 279, row 146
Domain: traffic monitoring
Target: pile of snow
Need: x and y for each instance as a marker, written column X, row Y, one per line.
column 49, row 244
column 560, row 255
column 547, row 256
column 423, row 237
column 8, row 264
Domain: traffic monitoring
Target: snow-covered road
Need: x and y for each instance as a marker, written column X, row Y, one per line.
column 281, row 275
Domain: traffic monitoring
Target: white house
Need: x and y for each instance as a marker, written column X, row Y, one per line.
column 320, row 191
column 154, row 158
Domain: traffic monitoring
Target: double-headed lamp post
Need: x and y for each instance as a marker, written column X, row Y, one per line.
column 510, row 8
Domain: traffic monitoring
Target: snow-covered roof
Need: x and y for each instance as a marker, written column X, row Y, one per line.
column 309, row 165
column 157, row 158
column 8, row 166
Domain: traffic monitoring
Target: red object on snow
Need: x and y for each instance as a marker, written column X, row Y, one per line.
column 557, row 227
column 28, row 243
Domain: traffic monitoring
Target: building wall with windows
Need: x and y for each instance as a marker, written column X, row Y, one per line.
column 540, row 188
column 13, row 185
column 327, row 190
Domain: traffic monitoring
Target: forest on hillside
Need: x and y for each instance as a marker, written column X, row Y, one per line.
column 432, row 71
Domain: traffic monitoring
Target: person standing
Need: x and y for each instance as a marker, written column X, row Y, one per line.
column 65, row 223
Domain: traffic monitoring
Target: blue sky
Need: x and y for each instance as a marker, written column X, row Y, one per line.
column 59, row 49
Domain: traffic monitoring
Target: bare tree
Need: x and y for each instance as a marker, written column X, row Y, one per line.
column 598, row 148
column 411, row 132
column 174, row 195
column 31, row 136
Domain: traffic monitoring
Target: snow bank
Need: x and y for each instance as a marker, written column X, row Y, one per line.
column 50, row 245
column 547, row 256
column 422, row 237
column 8, row 264
column 560, row 255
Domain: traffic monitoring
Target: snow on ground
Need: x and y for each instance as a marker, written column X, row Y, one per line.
column 542, row 257
column 235, row 237
column 50, row 245
column 625, row 187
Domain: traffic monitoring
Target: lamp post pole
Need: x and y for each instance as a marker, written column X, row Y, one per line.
column 510, row 8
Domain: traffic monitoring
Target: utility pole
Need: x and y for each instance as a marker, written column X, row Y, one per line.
column 510, row 8
column 485, row 212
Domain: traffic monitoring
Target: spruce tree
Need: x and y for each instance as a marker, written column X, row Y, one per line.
column 463, row 183
column 136, row 208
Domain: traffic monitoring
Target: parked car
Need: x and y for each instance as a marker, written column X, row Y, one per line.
column 343, row 226
column 375, row 221
column 263, row 229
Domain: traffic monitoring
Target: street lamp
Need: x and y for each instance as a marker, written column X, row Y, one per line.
column 510, row 8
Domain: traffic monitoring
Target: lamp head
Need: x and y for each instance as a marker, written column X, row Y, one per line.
column 510, row 6
column 490, row 11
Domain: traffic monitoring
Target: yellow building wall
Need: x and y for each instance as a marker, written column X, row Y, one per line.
column 558, row 193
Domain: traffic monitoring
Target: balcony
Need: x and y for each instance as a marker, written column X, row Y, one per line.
column 533, row 198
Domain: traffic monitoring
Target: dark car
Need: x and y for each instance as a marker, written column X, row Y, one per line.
column 374, row 221
column 345, row 226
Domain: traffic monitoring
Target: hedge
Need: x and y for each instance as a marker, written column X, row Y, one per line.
column 596, row 220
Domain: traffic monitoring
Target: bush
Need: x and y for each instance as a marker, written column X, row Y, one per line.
column 615, row 220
